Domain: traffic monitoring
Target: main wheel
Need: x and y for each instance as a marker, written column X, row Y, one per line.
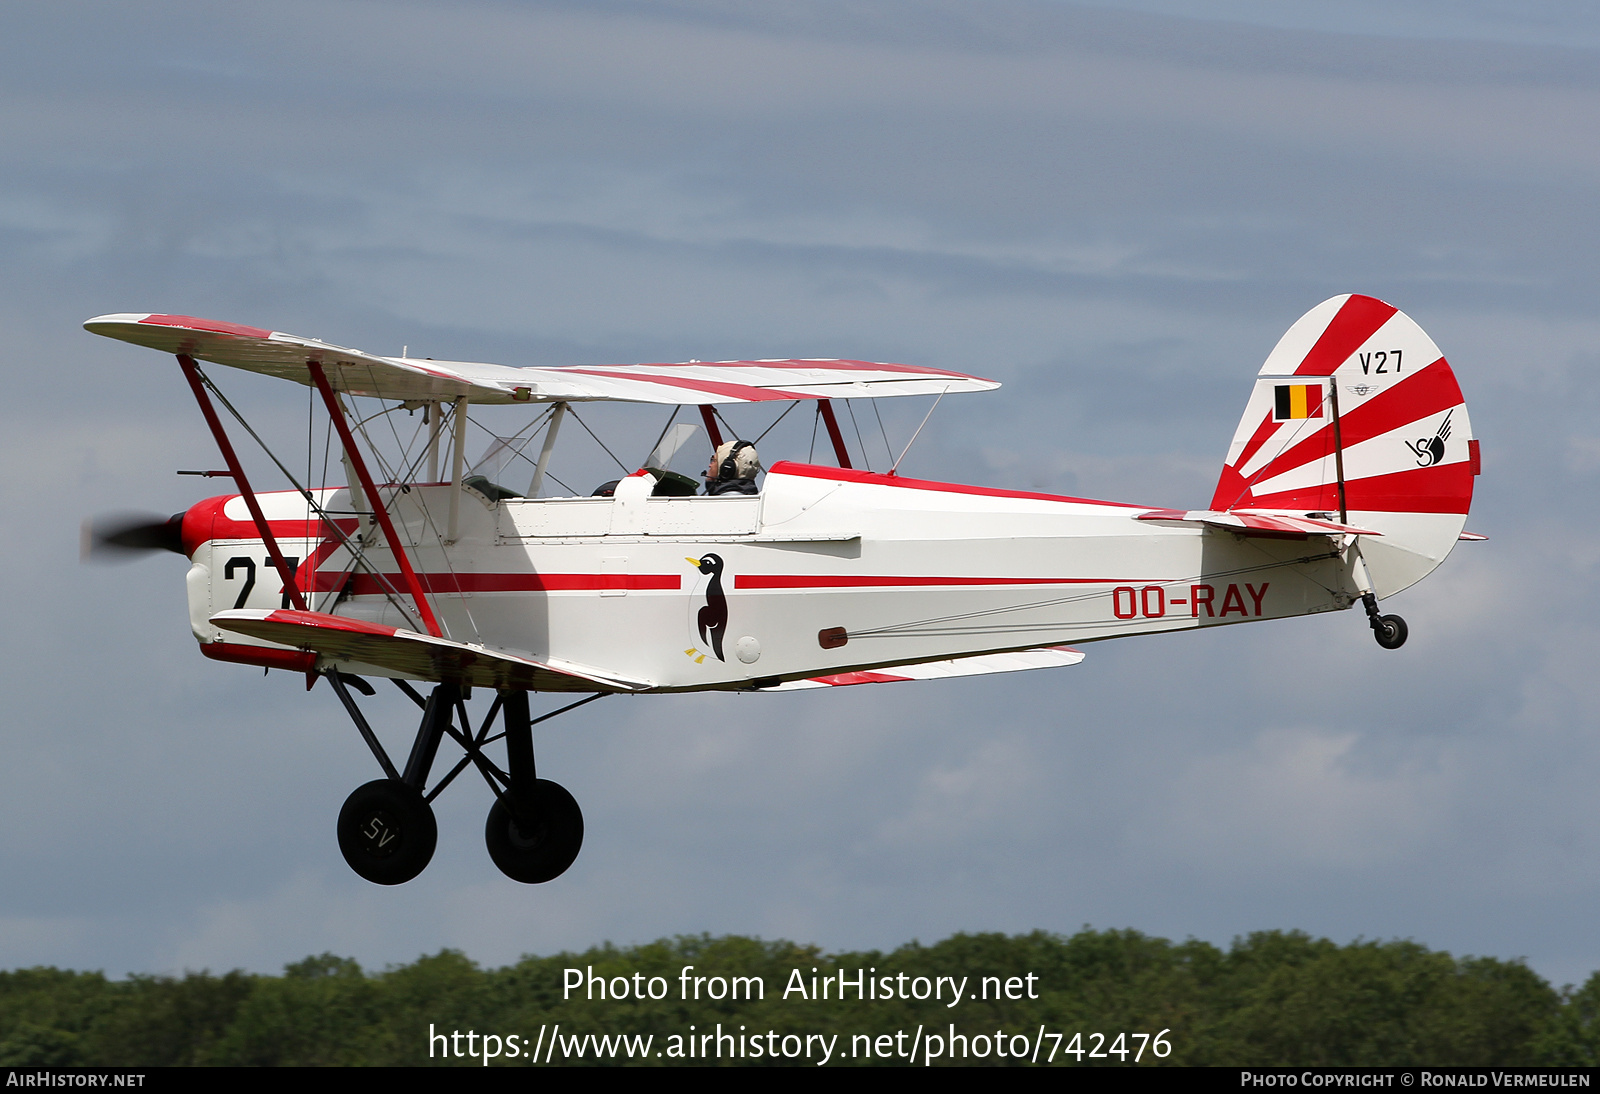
column 1390, row 632
column 549, row 848
column 387, row 832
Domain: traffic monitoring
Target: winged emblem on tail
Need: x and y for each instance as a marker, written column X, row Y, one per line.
column 1430, row 452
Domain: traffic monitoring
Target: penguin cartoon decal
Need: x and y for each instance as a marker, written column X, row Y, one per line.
column 713, row 618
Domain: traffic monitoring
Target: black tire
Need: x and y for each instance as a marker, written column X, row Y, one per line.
column 387, row 832
column 1390, row 632
column 546, row 852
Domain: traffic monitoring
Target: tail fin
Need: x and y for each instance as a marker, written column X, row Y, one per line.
column 1356, row 386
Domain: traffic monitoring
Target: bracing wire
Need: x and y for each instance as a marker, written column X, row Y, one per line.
column 774, row 425
column 850, row 406
column 520, row 451
column 574, row 412
column 915, row 435
column 884, row 432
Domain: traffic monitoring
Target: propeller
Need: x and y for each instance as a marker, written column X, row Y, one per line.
column 113, row 537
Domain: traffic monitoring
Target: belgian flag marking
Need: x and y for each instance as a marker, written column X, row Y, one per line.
column 1291, row 401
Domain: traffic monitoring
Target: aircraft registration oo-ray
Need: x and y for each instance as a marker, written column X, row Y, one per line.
column 1348, row 480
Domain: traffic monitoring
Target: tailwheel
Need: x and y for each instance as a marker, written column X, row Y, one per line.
column 387, row 832
column 539, row 848
column 1389, row 630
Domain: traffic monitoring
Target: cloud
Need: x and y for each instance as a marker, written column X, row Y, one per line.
column 1297, row 799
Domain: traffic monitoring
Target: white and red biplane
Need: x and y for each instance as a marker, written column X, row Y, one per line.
column 1348, row 480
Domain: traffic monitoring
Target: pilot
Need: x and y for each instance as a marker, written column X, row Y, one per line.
column 733, row 469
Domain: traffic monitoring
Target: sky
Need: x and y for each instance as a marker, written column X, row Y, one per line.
column 1113, row 209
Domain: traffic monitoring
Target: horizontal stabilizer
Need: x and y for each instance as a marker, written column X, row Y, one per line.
column 1258, row 522
column 412, row 379
column 414, row 655
column 981, row 665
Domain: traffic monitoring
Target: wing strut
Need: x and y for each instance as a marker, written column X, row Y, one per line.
column 433, row 440
column 707, row 416
column 191, row 372
column 458, row 455
column 551, row 430
column 839, row 450
column 396, row 545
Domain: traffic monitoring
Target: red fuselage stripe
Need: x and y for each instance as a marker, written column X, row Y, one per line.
column 366, row 585
column 850, row 581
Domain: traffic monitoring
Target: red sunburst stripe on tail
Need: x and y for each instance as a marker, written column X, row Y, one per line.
column 1266, row 429
column 1358, row 320
column 1231, row 485
column 1429, row 391
column 1446, row 488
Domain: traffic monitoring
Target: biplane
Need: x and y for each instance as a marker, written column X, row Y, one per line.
column 1349, row 478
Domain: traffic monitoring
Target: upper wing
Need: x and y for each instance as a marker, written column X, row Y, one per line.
column 407, row 378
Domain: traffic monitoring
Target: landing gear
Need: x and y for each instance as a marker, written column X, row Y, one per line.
column 535, row 828
column 540, row 850
column 387, row 830
column 1389, row 630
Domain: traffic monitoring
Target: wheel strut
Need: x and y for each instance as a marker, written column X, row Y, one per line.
column 535, row 829
column 519, row 756
column 435, row 719
column 387, row 830
column 1389, row 630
